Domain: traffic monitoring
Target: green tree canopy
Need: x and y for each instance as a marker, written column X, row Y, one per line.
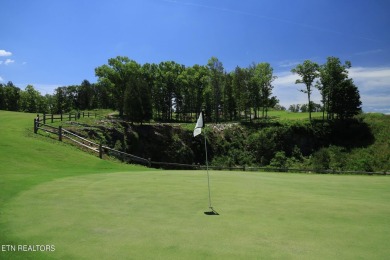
column 118, row 72
column 340, row 95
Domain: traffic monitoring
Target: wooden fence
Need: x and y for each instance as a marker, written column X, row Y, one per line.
column 99, row 149
column 68, row 116
column 102, row 149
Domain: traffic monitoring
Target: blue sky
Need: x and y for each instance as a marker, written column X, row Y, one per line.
column 52, row 43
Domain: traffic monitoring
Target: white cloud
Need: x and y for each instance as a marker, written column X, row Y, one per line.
column 8, row 61
column 285, row 78
column 371, row 77
column 369, row 52
column 42, row 88
column 288, row 63
column 289, row 93
column 373, row 84
column 4, row 53
column 1, row 79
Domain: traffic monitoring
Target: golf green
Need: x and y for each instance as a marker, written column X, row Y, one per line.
column 160, row 215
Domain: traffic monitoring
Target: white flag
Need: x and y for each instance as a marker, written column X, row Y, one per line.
column 199, row 125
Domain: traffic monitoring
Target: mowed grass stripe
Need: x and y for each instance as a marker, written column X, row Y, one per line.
column 160, row 215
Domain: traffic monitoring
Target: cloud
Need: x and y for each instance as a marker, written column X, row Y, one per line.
column 310, row 26
column 42, row 88
column 1, row 79
column 8, row 61
column 369, row 52
column 371, row 80
column 289, row 93
column 4, row 53
column 373, row 84
column 288, row 63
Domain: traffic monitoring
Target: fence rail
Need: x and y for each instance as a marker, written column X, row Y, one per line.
column 132, row 157
column 62, row 116
column 83, row 142
column 101, row 150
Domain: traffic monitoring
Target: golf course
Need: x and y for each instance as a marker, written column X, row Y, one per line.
column 58, row 202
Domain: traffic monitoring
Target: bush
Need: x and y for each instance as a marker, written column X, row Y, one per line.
column 331, row 158
column 280, row 160
column 321, row 160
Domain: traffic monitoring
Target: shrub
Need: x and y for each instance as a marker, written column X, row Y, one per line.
column 280, row 160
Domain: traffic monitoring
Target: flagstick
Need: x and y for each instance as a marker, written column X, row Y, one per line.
column 207, row 168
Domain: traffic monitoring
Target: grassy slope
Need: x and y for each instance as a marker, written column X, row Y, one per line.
column 54, row 194
column 27, row 159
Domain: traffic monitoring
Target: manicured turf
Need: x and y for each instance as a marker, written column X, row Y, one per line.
column 94, row 209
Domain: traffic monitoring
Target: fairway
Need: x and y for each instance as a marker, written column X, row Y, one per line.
column 159, row 214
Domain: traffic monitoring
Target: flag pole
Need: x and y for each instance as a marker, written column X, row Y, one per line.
column 198, row 130
column 207, row 168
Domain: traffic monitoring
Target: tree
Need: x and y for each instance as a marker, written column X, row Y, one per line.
column 294, row 108
column 85, row 95
column 347, row 102
column 265, row 76
column 118, row 72
column 103, row 95
column 31, row 100
column 61, row 101
column 308, row 72
column 216, row 81
column 228, row 98
column 11, row 97
column 137, row 105
column 340, row 95
column 241, row 90
column 149, row 76
column 50, row 103
column 168, row 89
column 199, row 81
column 2, row 98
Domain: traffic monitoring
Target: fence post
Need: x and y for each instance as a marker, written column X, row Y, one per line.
column 61, row 116
column 100, row 150
column 69, row 117
column 60, row 133
column 52, row 118
column 149, row 162
column 83, row 114
column 44, row 118
column 35, row 126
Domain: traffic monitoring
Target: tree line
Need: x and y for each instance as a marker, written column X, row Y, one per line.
column 170, row 91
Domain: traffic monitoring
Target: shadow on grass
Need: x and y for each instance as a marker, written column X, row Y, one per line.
column 212, row 212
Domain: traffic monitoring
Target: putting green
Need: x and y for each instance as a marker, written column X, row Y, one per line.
column 149, row 215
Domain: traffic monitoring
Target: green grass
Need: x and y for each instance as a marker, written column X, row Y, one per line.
column 52, row 193
column 287, row 115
